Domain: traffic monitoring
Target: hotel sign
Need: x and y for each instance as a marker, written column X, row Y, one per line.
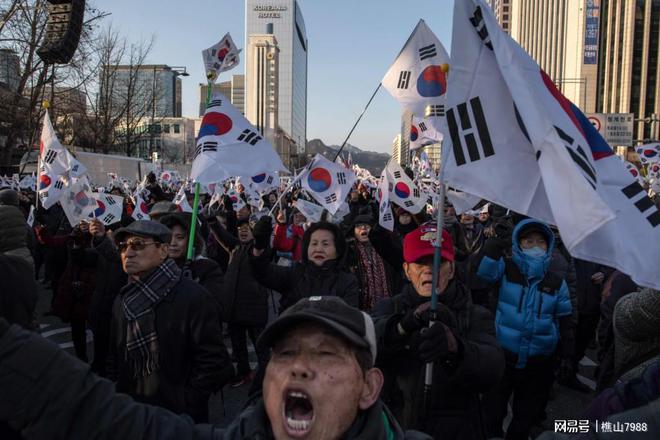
column 269, row 11
column 591, row 28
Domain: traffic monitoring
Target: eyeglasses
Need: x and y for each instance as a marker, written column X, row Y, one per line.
column 363, row 226
column 136, row 245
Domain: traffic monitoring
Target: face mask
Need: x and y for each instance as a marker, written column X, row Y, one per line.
column 534, row 252
column 450, row 220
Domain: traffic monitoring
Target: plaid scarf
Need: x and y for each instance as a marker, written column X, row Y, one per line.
column 139, row 298
column 372, row 272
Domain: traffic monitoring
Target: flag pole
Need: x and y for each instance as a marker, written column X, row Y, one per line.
column 193, row 220
column 358, row 121
column 437, row 259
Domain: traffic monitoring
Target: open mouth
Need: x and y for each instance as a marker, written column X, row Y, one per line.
column 298, row 413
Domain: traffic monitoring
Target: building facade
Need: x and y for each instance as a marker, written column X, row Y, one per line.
column 601, row 54
column 285, row 19
column 234, row 89
column 153, row 90
column 10, row 70
column 262, row 80
column 502, row 11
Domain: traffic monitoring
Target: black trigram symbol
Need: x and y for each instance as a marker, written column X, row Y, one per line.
column 422, row 126
column 43, row 195
column 50, row 156
column 416, row 193
column 408, row 203
column 110, row 201
column 331, row 198
column 215, row 103
column 205, row 147
column 341, row 178
column 387, row 217
column 75, row 168
column 397, row 174
column 473, row 132
column 108, row 218
column 579, row 157
column 269, row 180
column 477, row 21
column 404, row 79
column 427, row 52
column 249, row 136
column 435, row 110
column 59, row 184
column 643, row 203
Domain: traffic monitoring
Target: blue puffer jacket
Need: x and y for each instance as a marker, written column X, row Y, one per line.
column 531, row 299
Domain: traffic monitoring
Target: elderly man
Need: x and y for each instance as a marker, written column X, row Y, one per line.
column 165, row 346
column 320, row 384
column 461, row 344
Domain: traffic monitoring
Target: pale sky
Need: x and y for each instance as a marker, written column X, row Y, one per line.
column 352, row 43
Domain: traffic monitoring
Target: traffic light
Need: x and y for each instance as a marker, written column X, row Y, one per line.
column 65, row 20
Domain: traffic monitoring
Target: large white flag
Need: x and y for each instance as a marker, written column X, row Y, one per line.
column 572, row 176
column 220, row 57
column 402, row 190
column 328, row 182
column 141, row 210
column 228, row 145
column 462, row 201
column 181, row 200
column 109, row 208
column 418, row 77
column 266, row 181
column 78, row 201
column 423, row 131
column 385, row 215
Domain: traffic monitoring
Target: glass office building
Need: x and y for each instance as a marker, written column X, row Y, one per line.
column 285, row 20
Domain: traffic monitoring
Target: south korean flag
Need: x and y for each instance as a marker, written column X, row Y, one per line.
column 228, row 145
column 329, row 183
column 402, row 190
column 418, row 77
column 385, row 215
column 220, row 57
column 425, row 131
column 141, row 210
column 109, row 208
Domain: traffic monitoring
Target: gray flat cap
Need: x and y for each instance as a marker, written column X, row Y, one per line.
column 161, row 208
column 145, row 228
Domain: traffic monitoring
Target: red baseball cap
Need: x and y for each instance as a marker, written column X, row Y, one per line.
column 419, row 244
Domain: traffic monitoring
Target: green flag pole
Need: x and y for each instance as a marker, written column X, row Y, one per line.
column 193, row 221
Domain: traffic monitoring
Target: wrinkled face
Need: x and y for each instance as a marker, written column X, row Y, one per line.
column 483, row 217
column 321, row 247
column 179, row 243
column 244, row 233
column 405, row 218
column 142, row 255
column 361, row 232
column 533, row 239
column 314, row 386
column 420, row 274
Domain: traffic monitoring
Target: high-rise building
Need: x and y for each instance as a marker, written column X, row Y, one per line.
column 502, row 11
column 396, row 149
column 404, row 142
column 10, row 69
column 601, row 54
column 234, row 89
column 284, row 20
column 261, row 78
column 628, row 62
column 152, row 89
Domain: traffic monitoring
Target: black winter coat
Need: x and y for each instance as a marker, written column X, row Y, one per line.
column 19, row 292
column 193, row 359
column 307, row 279
column 55, row 396
column 455, row 407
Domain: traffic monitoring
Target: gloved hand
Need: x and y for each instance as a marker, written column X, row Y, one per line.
column 438, row 343
column 261, row 232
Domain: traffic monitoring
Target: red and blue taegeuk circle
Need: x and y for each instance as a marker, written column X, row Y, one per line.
column 402, row 190
column 432, row 82
column 649, row 153
column 98, row 212
column 319, row 179
column 144, row 208
column 215, row 124
column 44, row 181
column 259, row 178
column 414, row 134
column 222, row 53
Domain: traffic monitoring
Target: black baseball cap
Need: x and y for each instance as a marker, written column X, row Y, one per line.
column 330, row 311
column 147, row 229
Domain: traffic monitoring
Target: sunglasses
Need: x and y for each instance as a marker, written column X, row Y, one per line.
column 136, row 244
